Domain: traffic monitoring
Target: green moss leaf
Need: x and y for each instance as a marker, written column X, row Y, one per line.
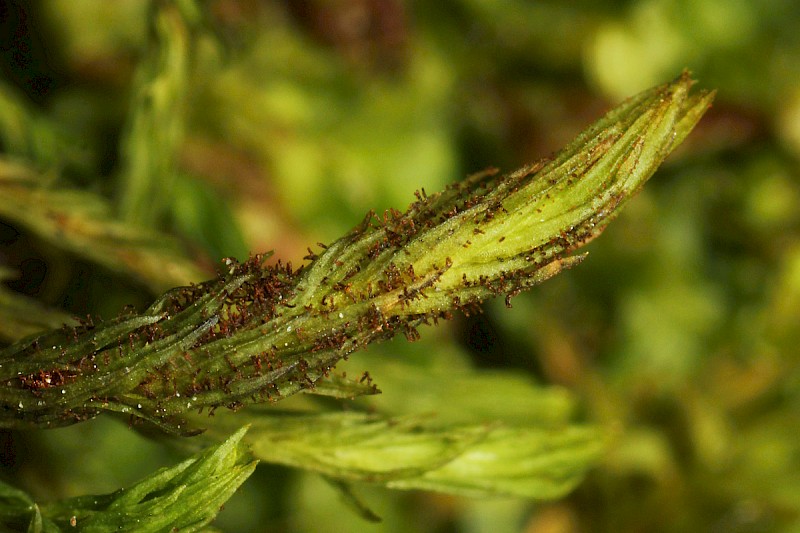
column 521, row 462
column 416, row 452
column 184, row 497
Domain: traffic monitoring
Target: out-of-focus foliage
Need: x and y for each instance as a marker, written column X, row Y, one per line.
column 21, row 316
column 678, row 333
column 82, row 223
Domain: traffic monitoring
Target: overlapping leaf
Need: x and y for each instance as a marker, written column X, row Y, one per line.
column 417, row 452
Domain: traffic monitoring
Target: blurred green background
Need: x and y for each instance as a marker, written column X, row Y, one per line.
column 280, row 124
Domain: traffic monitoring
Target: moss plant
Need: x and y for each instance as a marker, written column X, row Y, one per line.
column 259, row 333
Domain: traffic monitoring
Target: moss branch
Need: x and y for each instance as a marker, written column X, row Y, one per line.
column 261, row 332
